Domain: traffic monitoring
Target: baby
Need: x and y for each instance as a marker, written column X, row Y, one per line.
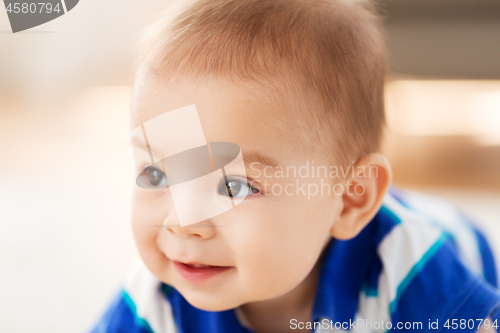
column 263, row 203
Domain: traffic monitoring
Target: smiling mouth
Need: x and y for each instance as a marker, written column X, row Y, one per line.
column 197, row 273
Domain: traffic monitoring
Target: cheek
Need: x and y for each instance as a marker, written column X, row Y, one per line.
column 148, row 214
column 278, row 243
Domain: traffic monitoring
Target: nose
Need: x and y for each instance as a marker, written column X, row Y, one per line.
column 204, row 229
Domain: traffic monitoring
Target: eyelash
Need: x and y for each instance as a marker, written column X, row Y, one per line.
column 143, row 180
column 247, row 182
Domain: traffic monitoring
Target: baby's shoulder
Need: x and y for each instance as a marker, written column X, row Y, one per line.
column 415, row 220
column 431, row 263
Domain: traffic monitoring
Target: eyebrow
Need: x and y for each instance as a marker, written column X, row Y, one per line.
column 253, row 156
column 249, row 157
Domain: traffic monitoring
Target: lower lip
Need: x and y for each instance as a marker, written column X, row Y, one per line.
column 198, row 274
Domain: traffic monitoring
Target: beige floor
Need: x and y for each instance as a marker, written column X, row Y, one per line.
column 65, row 182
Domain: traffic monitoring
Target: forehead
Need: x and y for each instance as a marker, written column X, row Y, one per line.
column 242, row 113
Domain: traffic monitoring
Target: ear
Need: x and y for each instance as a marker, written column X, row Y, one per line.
column 363, row 193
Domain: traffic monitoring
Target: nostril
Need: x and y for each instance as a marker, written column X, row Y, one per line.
column 190, row 231
column 172, row 230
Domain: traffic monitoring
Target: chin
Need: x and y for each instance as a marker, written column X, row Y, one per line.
column 210, row 302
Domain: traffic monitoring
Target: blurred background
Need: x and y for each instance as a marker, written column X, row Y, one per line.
column 65, row 176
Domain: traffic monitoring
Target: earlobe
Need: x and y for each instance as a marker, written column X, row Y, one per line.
column 362, row 197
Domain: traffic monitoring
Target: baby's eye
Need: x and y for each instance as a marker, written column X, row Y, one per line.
column 236, row 188
column 152, row 178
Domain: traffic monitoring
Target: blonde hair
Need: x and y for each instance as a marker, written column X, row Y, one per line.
column 329, row 50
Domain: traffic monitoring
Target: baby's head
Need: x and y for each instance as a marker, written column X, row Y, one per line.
column 298, row 86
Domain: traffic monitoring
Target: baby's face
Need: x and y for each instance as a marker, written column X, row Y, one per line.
column 269, row 243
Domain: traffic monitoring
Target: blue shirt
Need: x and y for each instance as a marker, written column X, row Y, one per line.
column 420, row 266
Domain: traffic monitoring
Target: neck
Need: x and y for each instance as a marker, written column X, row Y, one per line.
column 274, row 315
